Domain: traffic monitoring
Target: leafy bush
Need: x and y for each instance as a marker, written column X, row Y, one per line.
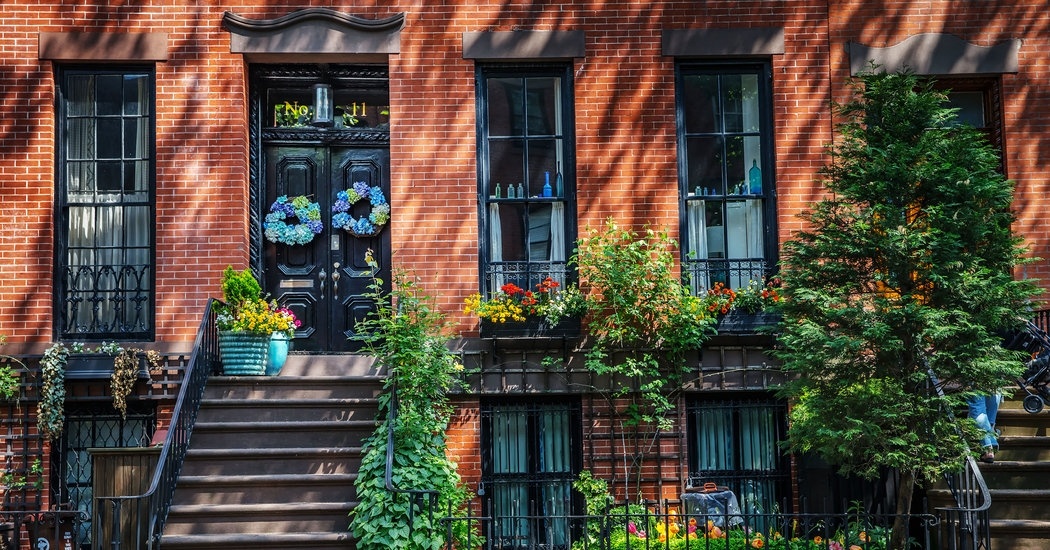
column 405, row 335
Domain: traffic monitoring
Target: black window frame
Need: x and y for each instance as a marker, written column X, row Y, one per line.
column 532, row 271
column 537, row 520
column 990, row 89
column 736, row 478
column 702, row 273
column 135, row 286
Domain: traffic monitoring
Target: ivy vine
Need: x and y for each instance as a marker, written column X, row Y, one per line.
column 50, row 411
column 126, row 373
column 407, row 339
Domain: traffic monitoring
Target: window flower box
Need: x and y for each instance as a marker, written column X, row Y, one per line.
column 739, row 322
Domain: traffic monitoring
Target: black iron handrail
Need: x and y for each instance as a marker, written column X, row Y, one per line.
column 967, row 524
column 146, row 514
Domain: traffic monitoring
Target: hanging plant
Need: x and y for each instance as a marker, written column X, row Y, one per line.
column 308, row 214
column 365, row 226
column 126, row 373
column 50, row 411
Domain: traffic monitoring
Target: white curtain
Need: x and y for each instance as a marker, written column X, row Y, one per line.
column 557, row 256
column 696, row 228
column 495, row 247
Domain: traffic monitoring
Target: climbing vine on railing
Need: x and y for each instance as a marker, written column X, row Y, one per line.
column 406, row 336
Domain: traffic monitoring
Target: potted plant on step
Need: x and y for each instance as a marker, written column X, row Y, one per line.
column 247, row 325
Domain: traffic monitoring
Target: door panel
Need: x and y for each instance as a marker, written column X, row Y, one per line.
column 325, row 281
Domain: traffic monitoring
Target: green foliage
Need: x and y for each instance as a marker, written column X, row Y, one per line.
column 10, row 384
column 11, row 481
column 596, row 500
column 640, row 315
column 239, row 287
column 906, row 269
column 50, row 410
column 405, row 334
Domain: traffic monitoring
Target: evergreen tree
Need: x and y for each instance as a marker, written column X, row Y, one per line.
column 905, row 271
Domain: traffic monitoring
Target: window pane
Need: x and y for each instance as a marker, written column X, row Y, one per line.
column 110, row 89
column 970, row 107
column 541, row 106
column 135, row 99
column 110, row 138
column 507, row 163
column 741, row 103
column 505, row 106
column 701, row 105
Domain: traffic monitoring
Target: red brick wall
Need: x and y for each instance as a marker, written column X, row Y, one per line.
column 625, row 127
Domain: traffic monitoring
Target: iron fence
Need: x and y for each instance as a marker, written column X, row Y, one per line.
column 680, row 525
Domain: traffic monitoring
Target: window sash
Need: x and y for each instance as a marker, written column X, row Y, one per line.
column 525, row 175
column 735, row 444
column 106, row 242
column 529, row 463
column 725, row 149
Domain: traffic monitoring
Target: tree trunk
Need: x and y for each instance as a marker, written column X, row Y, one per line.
column 905, row 491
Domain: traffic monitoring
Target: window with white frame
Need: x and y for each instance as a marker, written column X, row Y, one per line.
column 526, row 174
column 725, row 173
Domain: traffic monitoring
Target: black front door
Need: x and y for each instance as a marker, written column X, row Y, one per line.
column 326, row 281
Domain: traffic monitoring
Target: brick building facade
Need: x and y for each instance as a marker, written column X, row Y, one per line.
column 202, row 87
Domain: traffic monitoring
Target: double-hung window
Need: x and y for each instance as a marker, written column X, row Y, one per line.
column 725, row 173
column 525, row 174
column 530, row 457
column 105, row 188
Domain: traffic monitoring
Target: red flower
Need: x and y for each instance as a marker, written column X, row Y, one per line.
column 510, row 289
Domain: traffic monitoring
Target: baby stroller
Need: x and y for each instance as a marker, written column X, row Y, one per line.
column 1034, row 381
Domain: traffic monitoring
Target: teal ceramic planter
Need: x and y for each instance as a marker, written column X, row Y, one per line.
column 243, row 353
column 280, row 343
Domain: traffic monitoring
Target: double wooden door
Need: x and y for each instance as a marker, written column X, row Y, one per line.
column 326, row 282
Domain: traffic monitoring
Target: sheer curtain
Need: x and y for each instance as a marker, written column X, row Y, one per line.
column 495, row 248
column 557, row 254
column 696, row 228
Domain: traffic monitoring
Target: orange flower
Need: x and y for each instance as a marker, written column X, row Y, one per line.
column 757, row 543
column 862, row 536
column 818, row 539
column 855, row 547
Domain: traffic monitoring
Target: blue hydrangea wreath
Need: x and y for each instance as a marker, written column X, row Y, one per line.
column 365, row 226
column 277, row 229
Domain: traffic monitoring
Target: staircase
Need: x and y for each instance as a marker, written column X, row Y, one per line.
column 1019, row 479
column 272, row 460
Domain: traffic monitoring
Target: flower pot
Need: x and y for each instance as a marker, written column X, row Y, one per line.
column 742, row 322
column 530, row 328
column 243, row 352
column 280, row 343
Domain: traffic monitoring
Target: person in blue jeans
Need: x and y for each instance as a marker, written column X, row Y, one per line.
column 983, row 410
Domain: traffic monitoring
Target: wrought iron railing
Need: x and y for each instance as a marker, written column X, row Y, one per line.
column 966, row 525
column 684, row 525
column 139, row 519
